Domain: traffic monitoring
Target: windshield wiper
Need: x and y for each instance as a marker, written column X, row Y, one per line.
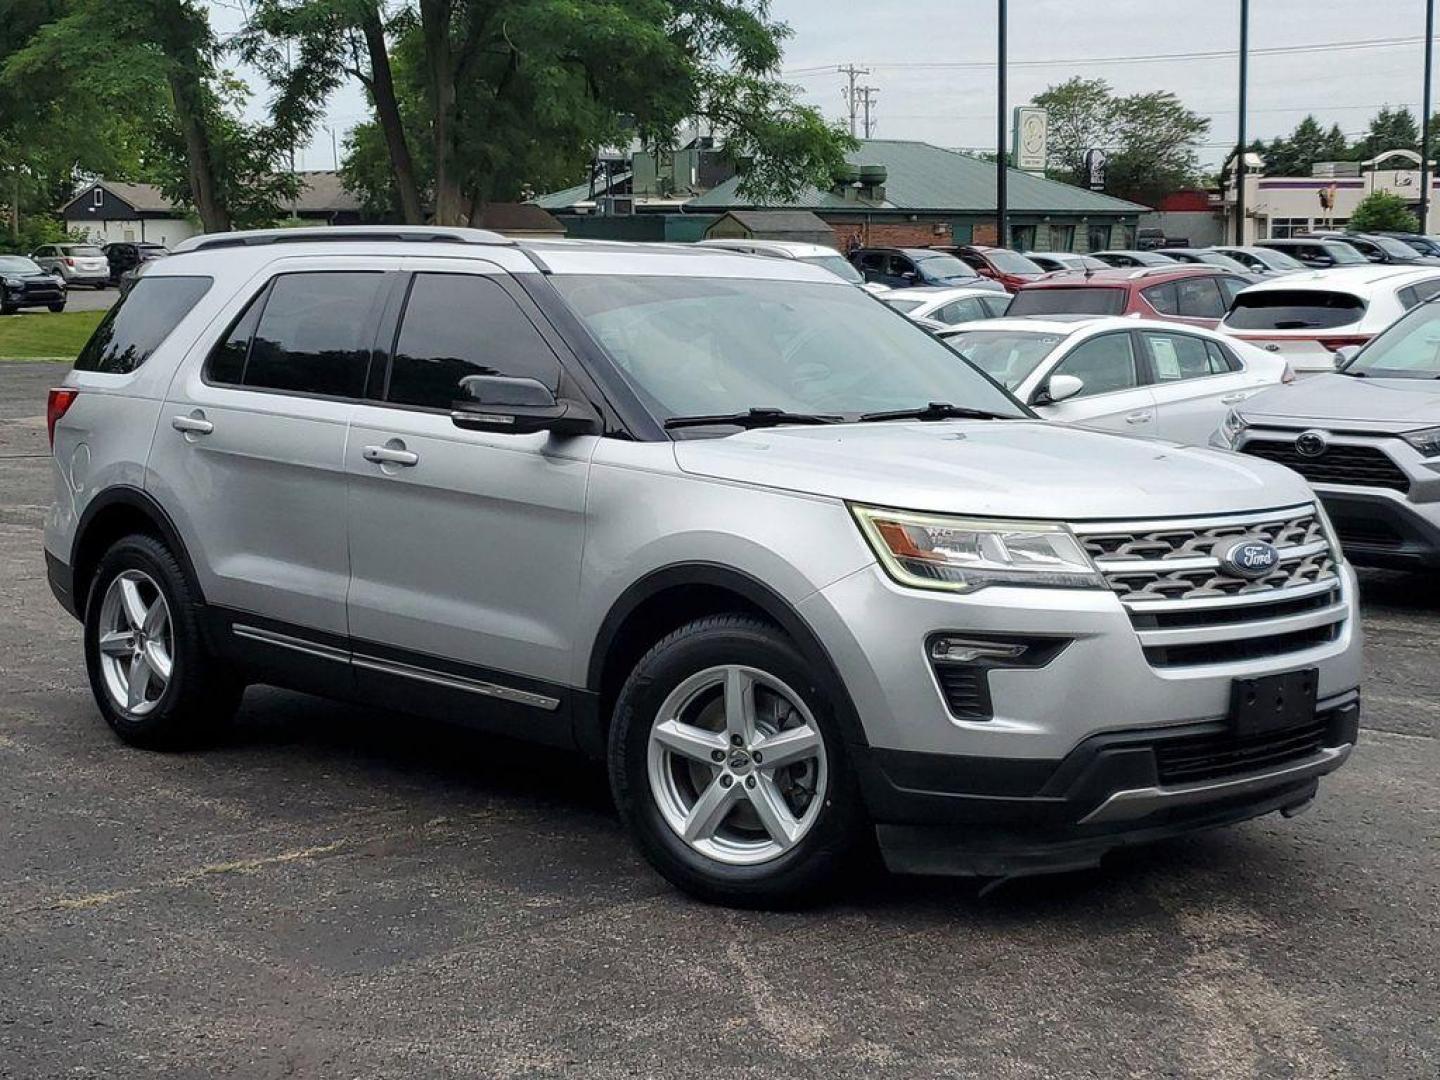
column 937, row 410
column 751, row 418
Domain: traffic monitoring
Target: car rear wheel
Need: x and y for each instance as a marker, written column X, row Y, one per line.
column 727, row 767
column 149, row 670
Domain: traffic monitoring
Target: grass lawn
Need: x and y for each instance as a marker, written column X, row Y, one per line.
column 36, row 334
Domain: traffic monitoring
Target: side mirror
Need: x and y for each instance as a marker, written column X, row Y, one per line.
column 1344, row 355
column 1059, row 388
column 517, row 406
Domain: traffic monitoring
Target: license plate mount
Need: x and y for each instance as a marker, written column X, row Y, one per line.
column 1272, row 703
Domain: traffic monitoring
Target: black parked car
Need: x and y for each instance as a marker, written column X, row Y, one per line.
column 126, row 256
column 1425, row 245
column 1379, row 249
column 903, row 268
column 23, row 284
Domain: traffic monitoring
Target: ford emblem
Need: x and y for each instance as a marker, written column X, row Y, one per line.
column 1250, row 558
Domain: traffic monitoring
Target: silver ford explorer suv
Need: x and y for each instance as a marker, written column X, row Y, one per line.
column 1368, row 438
column 801, row 577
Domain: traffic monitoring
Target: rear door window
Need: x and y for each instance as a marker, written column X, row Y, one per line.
column 958, row 311
column 456, row 325
column 1162, row 298
column 139, row 322
column 1294, row 309
column 313, row 334
column 1082, row 300
column 1174, row 357
column 1198, row 298
column 1418, row 293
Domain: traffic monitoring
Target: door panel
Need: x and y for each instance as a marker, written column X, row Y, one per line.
column 254, row 478
column 1192, row 389
column 1114, row 397
column 464, row 545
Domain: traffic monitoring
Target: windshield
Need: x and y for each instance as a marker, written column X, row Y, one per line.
column 1007, row 356
column 1010, row 262
column 1214, row 258
column 901, row 303
column 84, row 251
column 943, row 268
column 837, row 265
column 714, row 346
column 1293, row 309
column 1394, row 248
column 18, row 264
column 1081, row 300
column 1408, row 350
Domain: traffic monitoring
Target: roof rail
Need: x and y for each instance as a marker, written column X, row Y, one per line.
column 1146, row 271
column 389, row 234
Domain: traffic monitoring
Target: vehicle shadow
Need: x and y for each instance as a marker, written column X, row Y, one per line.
column 1399, row 590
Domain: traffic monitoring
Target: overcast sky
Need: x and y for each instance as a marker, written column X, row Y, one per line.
column 912, row 49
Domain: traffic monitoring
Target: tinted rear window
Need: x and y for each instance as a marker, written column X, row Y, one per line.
column 1083, row 300
column 139, row 322
column 1294, row 309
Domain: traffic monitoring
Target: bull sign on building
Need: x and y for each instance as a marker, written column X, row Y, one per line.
column 1031, row 138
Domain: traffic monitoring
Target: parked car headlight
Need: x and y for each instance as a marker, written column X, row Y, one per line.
column 929, row 551
column 1426, row 440
column 12, row 283
column 1232, row 426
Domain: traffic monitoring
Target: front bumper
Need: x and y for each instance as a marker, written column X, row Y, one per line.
column 989, row 817
column 1383, row 528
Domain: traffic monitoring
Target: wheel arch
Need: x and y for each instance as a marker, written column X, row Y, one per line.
column 116, row 512
column 666, row 599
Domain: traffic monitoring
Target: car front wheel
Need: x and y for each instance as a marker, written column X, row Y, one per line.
column 727, row 767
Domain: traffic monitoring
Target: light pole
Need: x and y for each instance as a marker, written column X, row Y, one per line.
column 1425, row 120
column 1001, row 231
column 1240, row 150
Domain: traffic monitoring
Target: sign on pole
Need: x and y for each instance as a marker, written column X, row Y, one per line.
column 1031, row 140
column 1095, row 169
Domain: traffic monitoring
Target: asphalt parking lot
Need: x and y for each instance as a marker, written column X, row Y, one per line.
column 84, row 298
column 335, row 892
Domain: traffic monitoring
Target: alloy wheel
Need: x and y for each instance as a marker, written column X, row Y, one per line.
column 136, row 642
column 737, row 764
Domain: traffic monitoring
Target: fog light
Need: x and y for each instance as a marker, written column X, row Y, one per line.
column 955, row 650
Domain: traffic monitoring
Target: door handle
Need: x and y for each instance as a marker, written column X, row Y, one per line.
column 1234, row 399
column 1138, row 417
column 386, row 455
column 192, row 425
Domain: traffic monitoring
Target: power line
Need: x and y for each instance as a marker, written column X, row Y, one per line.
column 1147, row 58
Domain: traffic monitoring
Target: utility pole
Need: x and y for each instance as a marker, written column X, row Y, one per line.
column 1001, row 153
column 850, row 103
column 1425, row 121
column 334, row 148
column 867, row 99
column 1240, row 149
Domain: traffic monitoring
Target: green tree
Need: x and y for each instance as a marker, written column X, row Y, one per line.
column 488, row 96
column 1150, row 139
column 1391, row 129
column 1381, row 211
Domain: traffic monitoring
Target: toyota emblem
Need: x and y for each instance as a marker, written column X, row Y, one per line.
column 1311, row 444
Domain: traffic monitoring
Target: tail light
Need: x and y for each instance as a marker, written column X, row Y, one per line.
column 1333, row 343
column 1288, row 375
column 70, row 263
column 58, row 404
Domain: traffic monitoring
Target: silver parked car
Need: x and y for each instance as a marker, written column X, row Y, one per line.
column 1367, row 437
column 799, row 576
column 78, row 264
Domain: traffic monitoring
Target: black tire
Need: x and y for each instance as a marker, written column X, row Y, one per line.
column 57, row 308
column 202, row 694
column 802, row 875
column 8, row 309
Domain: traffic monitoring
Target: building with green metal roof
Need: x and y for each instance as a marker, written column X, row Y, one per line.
column 898, row 193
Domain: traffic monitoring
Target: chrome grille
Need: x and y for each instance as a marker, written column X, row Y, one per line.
column 1187, row 608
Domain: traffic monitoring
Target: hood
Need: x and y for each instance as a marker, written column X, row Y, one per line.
column 1345, row 401
column 996, row 468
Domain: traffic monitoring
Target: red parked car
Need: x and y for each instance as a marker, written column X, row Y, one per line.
column 1198, row 295
column 1009, row 268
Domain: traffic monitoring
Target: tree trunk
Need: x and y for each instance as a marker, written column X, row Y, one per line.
column 440, row 70
column 186, row 95
column 387, row 109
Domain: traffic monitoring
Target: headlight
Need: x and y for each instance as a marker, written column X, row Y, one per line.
column 12, row 283
column 1426, row 440
column 928, row 551
column 1232, row 426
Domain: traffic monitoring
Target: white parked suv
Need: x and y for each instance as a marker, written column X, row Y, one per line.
column 800, row 577
column 1306, row 318
column 1140, row 377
